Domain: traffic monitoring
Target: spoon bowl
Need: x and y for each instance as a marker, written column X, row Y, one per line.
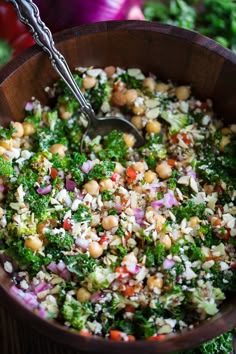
column 28, row 13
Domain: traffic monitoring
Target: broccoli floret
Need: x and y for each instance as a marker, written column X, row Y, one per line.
column 177, row 121
column 6, row 168
column 76, row 313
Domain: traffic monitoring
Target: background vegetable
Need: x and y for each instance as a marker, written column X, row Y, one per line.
column 80, row 11
column 14, row 36
column 213, row 18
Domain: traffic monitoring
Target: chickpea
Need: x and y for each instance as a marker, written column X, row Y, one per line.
column 106, row 184
column 165, row 240
column 83, row 295
column 153, row 126
column 155, row 281
column 29, row 129
column 95, row 249
column 149, row 84
column 182, row 92
column 34, row 243
column 139, row 166
column 7, row 144
column 163, row 170
column 58, row 149
column 92, row 187
column 118, row 98
column 138, row 110
column 109, row 222
column 19, row 130
column 110, row 70
column 131, row 95
column 89, row 82
column 63, row 113
column 129, row 139
column 137, row 122
column 161, row 87
column 149, row 176
column 2, row 150
column 194, row 221
column 224, row 141
column 1, row 212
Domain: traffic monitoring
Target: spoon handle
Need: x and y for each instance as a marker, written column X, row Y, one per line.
column 28, row 13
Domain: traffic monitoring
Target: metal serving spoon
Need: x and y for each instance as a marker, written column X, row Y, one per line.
column 28, row 13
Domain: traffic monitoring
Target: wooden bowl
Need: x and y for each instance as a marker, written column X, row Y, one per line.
column 169, row 52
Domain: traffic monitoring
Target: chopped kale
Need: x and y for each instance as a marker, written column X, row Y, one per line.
column 61, row 241
column 102, row 170
column 114, row 147
column 80, row 265
column 6, row 133
column 188, row 209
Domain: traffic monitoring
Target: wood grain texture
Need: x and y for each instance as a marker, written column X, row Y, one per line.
column 169, row 52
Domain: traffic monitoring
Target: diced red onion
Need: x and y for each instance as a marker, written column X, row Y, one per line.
column 192, row 173
column 61, row 266
column 133, row 268
column 31, row 300
column 42, row 313
column 169, row 199
column 70, row 185
column 3, row 188
column 139, row 215
column 82, row 243
column 53, row 267
column 40, row 287
column 118, row 207
column 95, row 297
column 44, row 190
column 80, row 195
column 157, row 204
column 168, row 263
column 65, row 274
column 29, row 106
column 87, row 166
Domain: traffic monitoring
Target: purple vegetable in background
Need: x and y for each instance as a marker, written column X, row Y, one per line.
column 62, row 14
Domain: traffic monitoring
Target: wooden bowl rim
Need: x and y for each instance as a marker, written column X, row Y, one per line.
column 60, row 333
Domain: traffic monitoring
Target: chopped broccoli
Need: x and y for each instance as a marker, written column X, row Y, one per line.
column 177, row 121
column 76, row 313
column 6, row 168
